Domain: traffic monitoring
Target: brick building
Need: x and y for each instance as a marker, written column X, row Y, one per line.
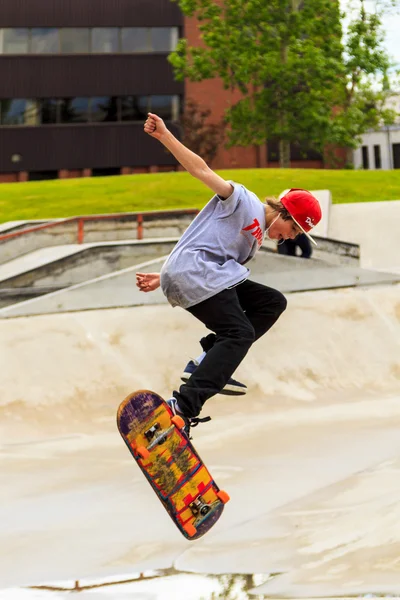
column 77, row 78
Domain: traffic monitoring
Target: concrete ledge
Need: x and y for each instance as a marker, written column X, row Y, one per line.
column 69, row 265
column 118, row 289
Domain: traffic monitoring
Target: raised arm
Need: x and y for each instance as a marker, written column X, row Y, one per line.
column 193, row 163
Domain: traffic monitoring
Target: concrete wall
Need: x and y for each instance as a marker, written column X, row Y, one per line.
column 375, row 226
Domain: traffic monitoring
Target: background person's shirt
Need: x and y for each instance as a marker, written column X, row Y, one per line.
column 211, row 254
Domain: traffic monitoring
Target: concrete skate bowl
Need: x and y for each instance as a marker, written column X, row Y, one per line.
column 327, row 346
column 323, row 406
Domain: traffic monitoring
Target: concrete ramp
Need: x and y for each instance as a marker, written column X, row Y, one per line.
column 118, row 289
column 55, row 268
column 310, row 457
column 36, row 260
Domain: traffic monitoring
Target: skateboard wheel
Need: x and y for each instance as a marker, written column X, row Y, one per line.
column 190, row 529
column 143, row 452
column 178, row 422
column 223, row 496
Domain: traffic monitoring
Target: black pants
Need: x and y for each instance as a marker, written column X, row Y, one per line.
column 238, row 316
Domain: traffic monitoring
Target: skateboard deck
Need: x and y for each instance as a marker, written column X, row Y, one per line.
column 170, row 463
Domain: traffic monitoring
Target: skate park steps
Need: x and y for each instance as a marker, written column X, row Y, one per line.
column 96, row 267
column 118, row 288
column 55, row 268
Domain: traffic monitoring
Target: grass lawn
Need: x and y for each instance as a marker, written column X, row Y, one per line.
column 98, row 195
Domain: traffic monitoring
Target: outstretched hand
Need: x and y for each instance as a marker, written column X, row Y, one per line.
column 155, row 126
column 148, row 282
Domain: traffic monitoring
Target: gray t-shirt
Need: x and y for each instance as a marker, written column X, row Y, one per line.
column 211, row 254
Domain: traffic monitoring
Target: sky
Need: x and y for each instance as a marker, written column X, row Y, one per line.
column 391, row 24
column 392, row 27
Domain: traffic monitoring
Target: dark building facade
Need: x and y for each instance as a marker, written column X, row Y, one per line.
column 77, row 78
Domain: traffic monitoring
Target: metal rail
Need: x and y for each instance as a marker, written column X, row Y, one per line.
column 138, row 217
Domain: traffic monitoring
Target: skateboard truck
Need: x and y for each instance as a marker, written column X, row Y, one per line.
column 150, row 433
column 199, row 507
column 156, row 436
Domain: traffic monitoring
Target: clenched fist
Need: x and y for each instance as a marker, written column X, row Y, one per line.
column 155, row 126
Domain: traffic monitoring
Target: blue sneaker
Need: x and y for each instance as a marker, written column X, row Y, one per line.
column 189, row 422
column 232, row 388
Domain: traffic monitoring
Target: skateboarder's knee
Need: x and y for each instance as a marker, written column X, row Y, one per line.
column 280, row 302
column 241, row 335
column 247, row 335
column 274, row 302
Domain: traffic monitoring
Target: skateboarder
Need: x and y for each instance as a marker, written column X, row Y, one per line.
column 206, row 274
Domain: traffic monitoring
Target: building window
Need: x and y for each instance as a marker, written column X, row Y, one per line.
column 365, row 158
column 74, row 110
column 166, row 107
column 134, row 108
column 105, row 40
column 82, row 40
column 42, row 175
column 14, row 41
column 135, row 39
column 19, row 111
column 106, row 172
column 396, row 156
column 49, row 113
column 377, row 157
column 164, row 39
column 97, row 109
column 104, row 109
column 74, row 41
column 45, row 40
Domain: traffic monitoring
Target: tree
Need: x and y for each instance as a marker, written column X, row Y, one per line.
column 365, row 88
column 287, row 59
column 201, row 136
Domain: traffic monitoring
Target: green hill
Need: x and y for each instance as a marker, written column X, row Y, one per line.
column 98, row 195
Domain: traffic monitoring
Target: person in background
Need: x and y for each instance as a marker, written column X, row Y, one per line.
column 288, row 247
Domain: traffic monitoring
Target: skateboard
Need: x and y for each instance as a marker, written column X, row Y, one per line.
column 170, row 463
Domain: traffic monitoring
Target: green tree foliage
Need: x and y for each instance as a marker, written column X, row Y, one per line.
column 363, row 93
column 298, row 81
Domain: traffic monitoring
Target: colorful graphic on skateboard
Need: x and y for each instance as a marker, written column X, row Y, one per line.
column 171, row 464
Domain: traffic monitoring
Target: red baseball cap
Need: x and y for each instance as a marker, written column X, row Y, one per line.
column 304, row 209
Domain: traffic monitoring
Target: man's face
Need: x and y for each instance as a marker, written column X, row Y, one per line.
column 283, row 230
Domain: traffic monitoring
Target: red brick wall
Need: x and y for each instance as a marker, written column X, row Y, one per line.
column 69, row 173
column 212, row 95
column 8, row 177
